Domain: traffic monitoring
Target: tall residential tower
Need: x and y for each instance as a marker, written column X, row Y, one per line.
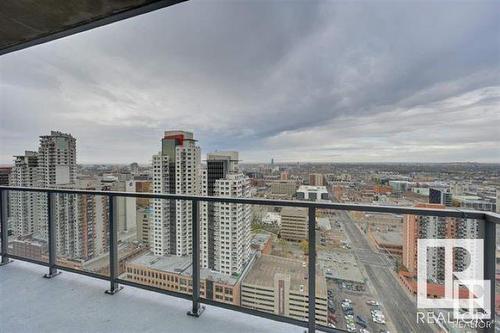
column 225, row 227
column 176, row 170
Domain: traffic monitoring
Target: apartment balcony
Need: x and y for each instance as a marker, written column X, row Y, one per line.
column 76, row 299
column 76, row 303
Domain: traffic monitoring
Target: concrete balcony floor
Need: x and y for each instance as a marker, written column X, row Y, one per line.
column 76, row 303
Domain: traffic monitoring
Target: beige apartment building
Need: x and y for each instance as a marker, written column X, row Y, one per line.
column 294, row 223
column 279, row 285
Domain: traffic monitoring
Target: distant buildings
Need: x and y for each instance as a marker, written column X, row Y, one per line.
column 294, row 224
column 399, row 186
column 440, row 196
column 316, row 179
column 283, row 189
column 54, row 165
column 4, row 175
column 134, row 168
column 22, row 205
column 475, row 202
column 176, row 170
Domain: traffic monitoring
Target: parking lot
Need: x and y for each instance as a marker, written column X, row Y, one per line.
column 359, row 308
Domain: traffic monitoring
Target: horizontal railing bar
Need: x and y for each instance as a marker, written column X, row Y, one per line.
column 33, row 261
column 267, row 315
column 257, row 313
column 492, row 218
column 458, row 213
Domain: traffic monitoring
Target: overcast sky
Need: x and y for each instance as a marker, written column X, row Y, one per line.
column 319, row 81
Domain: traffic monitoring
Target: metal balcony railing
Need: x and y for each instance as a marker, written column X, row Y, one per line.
column 490, row 221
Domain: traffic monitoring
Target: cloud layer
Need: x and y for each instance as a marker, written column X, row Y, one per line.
column 311, row 81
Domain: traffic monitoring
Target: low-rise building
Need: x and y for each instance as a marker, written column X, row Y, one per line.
column 280, row 285
column 174, row 273
column 313, row 193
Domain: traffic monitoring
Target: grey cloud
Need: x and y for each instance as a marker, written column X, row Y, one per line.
column 241, row 74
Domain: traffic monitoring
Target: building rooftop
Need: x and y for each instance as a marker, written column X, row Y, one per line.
column 266, row 267
column 310, row 188
column 340, row 265
column 76, row 303
column 180, row 265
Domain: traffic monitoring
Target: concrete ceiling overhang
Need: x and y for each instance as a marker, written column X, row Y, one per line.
column 25, row 23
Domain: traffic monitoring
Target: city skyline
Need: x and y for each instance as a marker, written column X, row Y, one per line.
column 321, row 82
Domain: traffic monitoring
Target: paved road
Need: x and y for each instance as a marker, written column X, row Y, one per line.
column 397, row 305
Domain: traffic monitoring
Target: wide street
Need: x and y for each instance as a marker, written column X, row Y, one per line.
column 399, row 308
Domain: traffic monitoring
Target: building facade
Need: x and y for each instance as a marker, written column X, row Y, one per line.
column 225, row 227
column 176, row 170
column 22, row 205
column 294, row 224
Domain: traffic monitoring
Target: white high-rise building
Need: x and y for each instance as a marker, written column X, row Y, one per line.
column 23, row 214
column 225, row 227
column 57, row 168
column 176, row 170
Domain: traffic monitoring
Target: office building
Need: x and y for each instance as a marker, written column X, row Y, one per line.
column 294, row 223
column 225, row 227
column 176, row 170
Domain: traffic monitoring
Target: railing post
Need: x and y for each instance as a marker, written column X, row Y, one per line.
column 113, row 247
column 490, row 268
column 51, row 211
column 4, row 228
column 195, row 214
column 312, row 269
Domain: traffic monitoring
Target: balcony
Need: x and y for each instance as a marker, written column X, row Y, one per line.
column 75, row 300
column 76, row 303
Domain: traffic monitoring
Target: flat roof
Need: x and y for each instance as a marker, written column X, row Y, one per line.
column 181, row 265
column 266, row 267
column 310, row 188
column 340, row 265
